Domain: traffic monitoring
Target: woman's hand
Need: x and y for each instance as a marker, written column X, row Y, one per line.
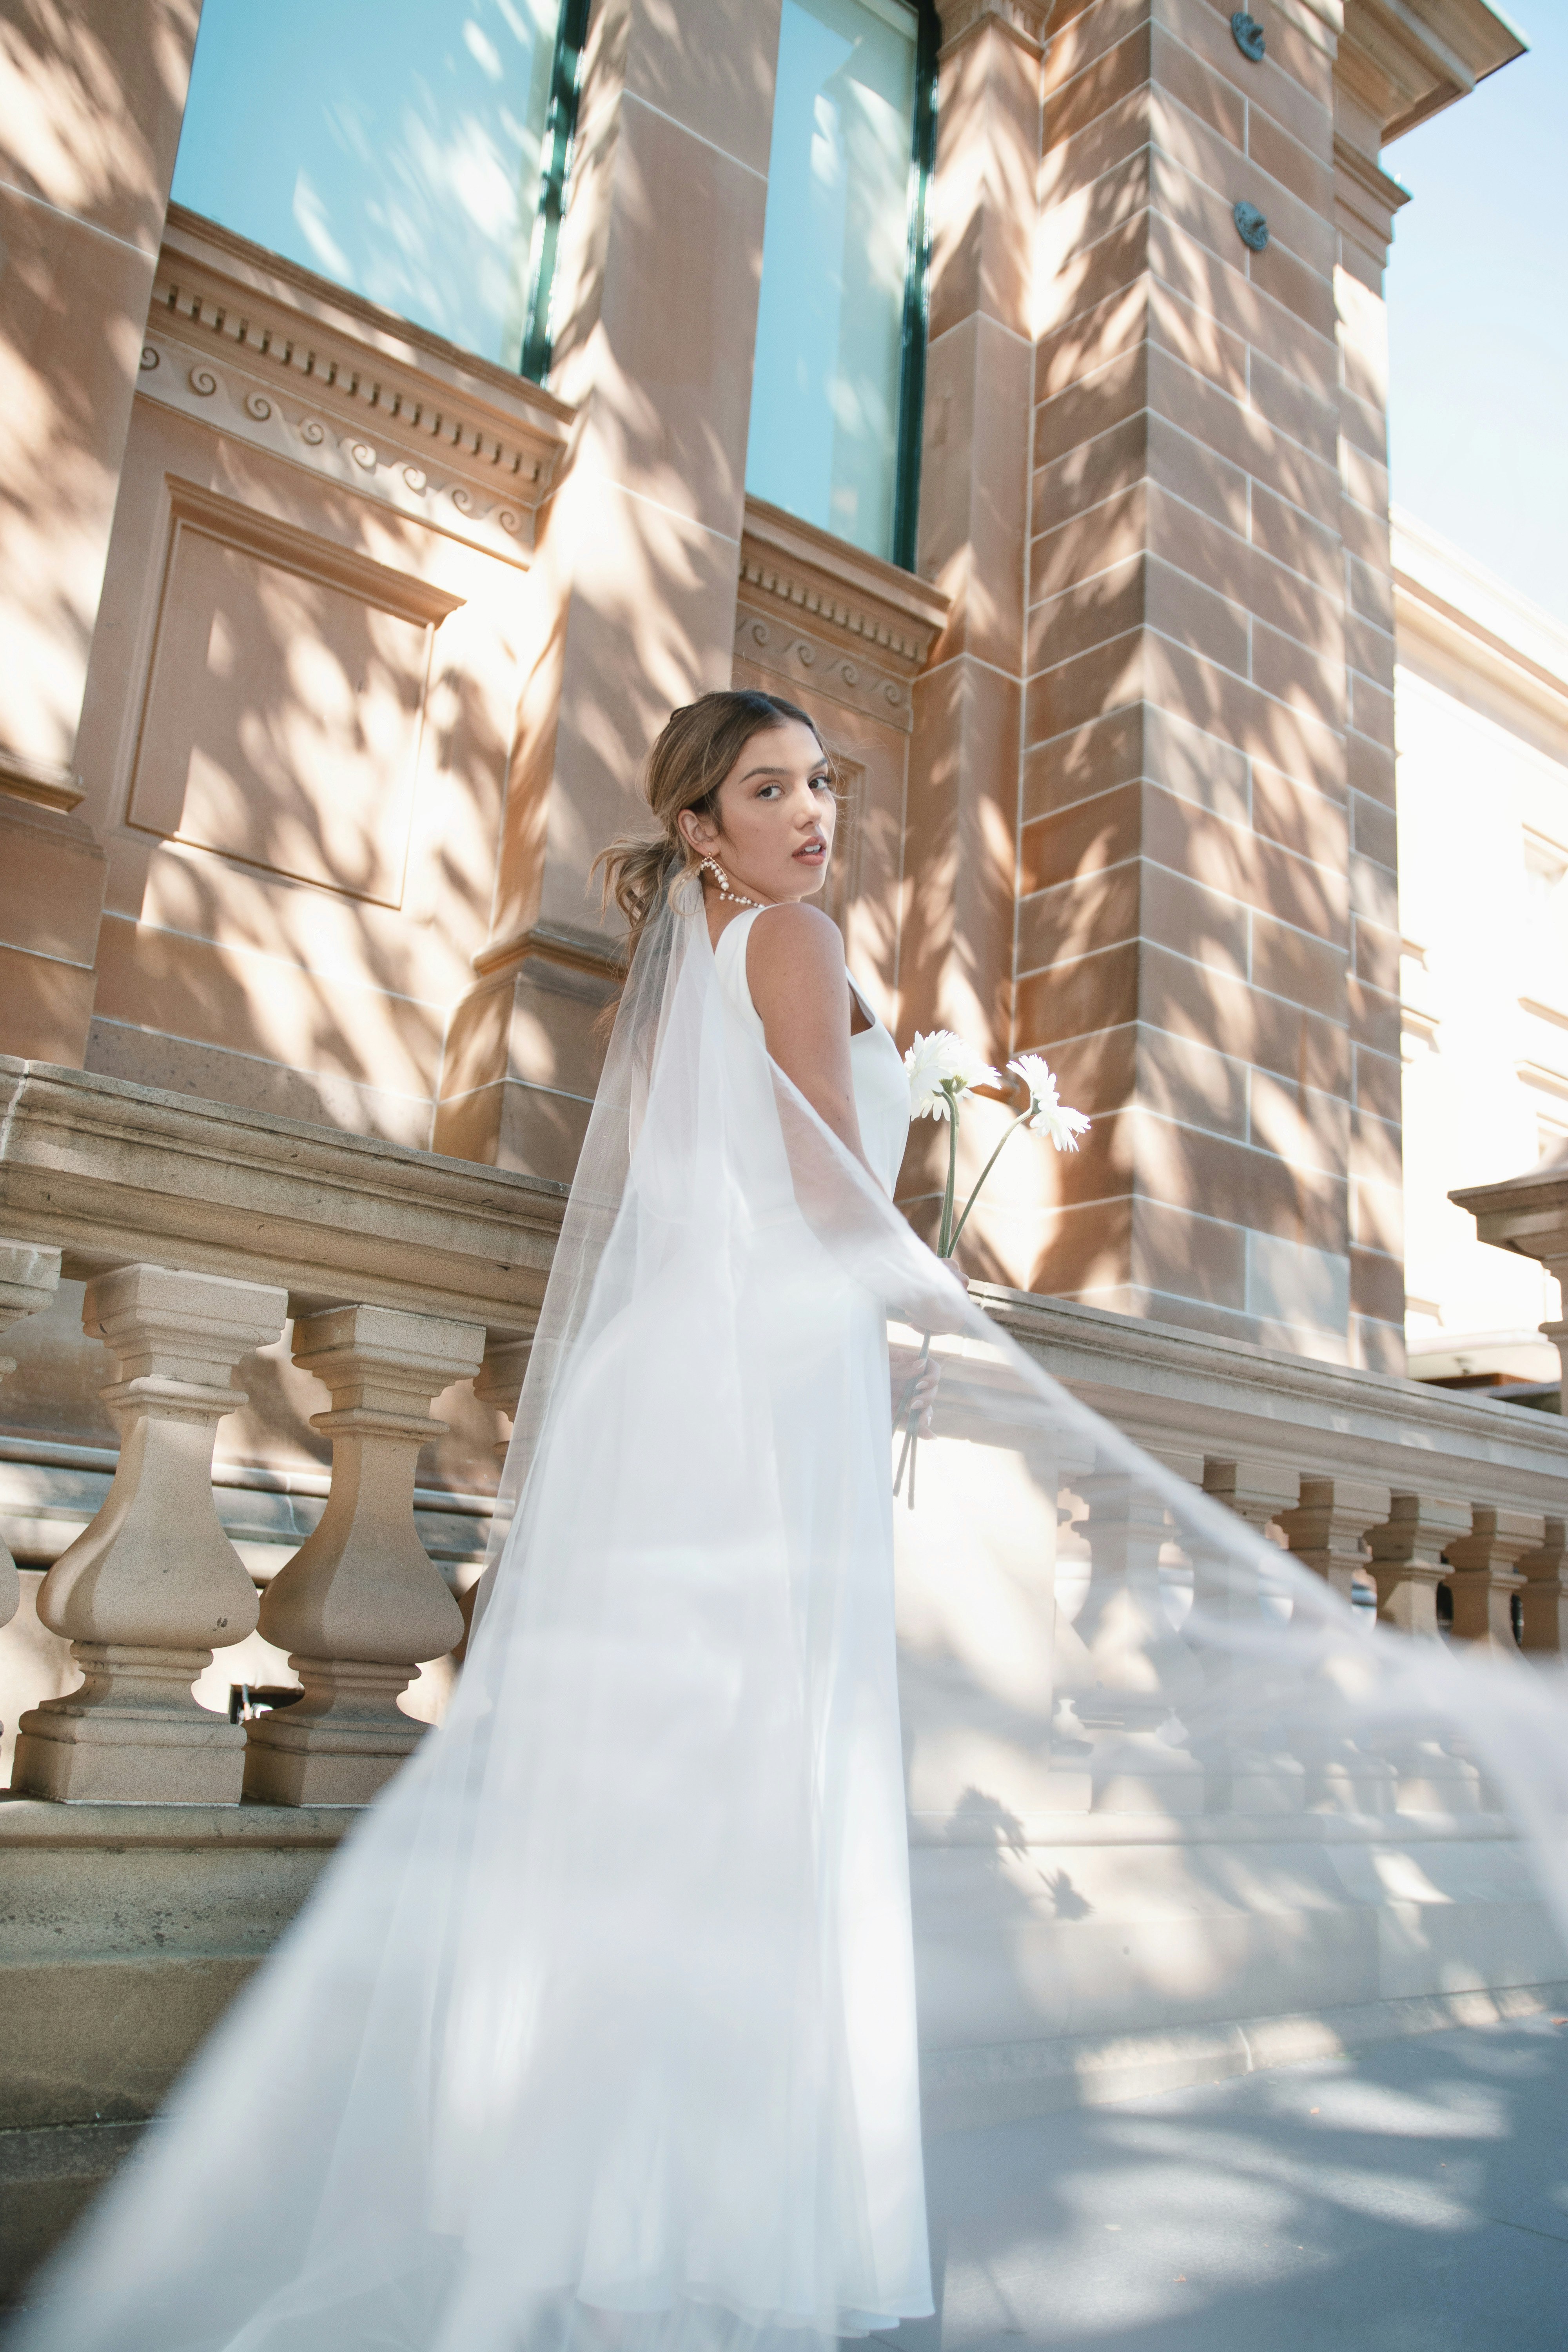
column 919, row 1398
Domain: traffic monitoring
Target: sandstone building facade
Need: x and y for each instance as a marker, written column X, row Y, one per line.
column 395, row 430
column 335, row 646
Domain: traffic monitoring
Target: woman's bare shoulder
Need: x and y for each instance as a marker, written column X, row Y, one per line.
column 798, row 938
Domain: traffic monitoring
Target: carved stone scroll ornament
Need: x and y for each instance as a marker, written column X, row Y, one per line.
column 287, row 428
column 808, row 660
column 502, row 526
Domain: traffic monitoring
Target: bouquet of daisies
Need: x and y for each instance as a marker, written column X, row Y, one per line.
column 942, row 1071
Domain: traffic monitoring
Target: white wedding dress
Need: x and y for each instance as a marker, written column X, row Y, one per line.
column 875, row 1065
column 600, row 2031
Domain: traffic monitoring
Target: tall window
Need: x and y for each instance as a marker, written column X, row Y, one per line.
column 841, row 356
column 411, row 150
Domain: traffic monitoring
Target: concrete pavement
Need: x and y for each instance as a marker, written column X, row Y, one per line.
column 1412, row 2198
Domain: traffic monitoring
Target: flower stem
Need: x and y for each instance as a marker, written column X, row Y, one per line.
column 985, row 1171
column 944, row 1239
column 907, row 1454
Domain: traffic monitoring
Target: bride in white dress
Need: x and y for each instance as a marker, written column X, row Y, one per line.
column 600, row 2031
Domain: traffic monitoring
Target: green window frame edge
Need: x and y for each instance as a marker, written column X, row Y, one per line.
column 560, row 131
column 917, row 292
column 561, row 125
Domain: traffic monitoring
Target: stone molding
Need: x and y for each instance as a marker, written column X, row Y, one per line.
column 1366, row 197
column 251, row 532
column 1023, row 21
column 40, row 781
column 802, row 658
column 576, row 950
column 1161, row 1384
column 1423, row 615
column 856, row 597
column 271, row 356
column 109, row 1173
column 1404, row 62
column 832, row 619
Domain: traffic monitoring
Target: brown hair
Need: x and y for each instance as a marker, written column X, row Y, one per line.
column 685, row 769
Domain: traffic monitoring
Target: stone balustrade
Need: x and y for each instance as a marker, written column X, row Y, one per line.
column 200, row 1232
column 1382, row 1485
column 1074, row 1808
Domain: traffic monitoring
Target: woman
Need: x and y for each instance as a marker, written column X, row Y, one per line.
column 602, row 2026
column 600, row 2032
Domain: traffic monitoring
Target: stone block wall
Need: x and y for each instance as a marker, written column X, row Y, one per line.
column 1118, row 761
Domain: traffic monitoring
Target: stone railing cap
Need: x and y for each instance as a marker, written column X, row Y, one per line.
column 111, row 1173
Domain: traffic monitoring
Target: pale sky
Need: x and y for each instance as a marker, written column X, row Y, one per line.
column 1478, row 301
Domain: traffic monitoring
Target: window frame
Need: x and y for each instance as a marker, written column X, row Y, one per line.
column 560, row 138
column 917, row 291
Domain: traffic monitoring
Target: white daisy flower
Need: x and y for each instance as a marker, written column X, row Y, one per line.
column 941, row 1070
column 1046, row 1115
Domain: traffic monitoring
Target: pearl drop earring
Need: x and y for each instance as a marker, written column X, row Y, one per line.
column 721, row 879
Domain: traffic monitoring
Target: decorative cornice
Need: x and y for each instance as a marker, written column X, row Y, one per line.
column 856, row 599
column 1022, row 20
column 1404, row 61
column 1421, row 612
column 280, row 358
column 40, row 781
column 1368, row 193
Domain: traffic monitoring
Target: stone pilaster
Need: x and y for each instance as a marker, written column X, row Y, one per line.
column 962, row 821
column 633, row 599
column 90, row 104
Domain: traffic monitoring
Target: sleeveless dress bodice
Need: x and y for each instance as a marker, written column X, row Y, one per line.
column 876, row 1066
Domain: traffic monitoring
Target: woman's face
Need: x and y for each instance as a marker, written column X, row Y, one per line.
column 776, row 817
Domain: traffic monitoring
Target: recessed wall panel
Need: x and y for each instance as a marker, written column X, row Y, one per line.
column 284, row 707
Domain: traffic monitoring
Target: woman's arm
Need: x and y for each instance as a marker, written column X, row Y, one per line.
column 795, row 969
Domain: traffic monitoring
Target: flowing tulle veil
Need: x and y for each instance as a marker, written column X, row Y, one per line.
column 600, row 2028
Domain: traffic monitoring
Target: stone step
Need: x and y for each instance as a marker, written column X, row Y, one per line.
column 48, row 2177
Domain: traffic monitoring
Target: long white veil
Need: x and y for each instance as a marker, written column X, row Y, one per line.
column 599, row 2030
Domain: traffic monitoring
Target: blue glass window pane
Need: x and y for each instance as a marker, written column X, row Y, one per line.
column 391, row 145
column 825, row 395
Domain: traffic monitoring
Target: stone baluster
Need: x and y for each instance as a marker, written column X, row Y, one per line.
column 500, row 1377
column 1407, row 1567
column 28, row 1279
column 1327, row 1532
column 1406, row 1558
column 1545, row 1598
column 361, row 1605
column 1244, row 1776
column 1484, row 1574
column 1134, row 1671
column 499, row 1382
column 153, row 1586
